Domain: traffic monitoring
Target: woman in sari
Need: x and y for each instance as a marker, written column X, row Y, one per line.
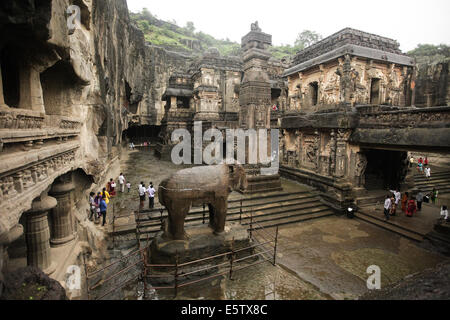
column 404, row 201
column 412, row 209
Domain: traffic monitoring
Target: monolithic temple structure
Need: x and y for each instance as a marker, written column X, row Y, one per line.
column 71, row 96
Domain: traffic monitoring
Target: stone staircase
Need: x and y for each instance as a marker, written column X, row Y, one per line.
column 265, row 211
column 390, row 225
column 439, row 180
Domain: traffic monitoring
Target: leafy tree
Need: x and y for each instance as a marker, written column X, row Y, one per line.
column 306, row 38
column 146, row 14
column 429, row 50
column 190, row 27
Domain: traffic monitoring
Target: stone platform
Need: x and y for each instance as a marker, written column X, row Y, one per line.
column 201, row 243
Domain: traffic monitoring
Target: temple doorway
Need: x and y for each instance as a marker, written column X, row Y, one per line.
column 385, row 169
column 375, row 91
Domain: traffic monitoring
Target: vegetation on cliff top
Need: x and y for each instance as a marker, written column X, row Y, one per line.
column 171, row 36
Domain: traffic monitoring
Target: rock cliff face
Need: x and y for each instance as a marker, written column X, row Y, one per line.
column 432, row 87
column 67, row 92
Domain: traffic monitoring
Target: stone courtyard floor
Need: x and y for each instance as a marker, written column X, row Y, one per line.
column 325, row 258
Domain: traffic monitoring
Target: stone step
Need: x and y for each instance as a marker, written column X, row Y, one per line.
column 390, row 222
column 266, row 209
column 264, row 215
column 431, row 180
column 435, row 174
column 294, row 219
column 389, row 227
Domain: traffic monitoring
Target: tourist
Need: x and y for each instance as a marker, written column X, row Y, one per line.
column 426, row 161
column 111, row 187
column 397, row 196
column 106, row 195
column 434, row 195
column 122, row 182
column 103, row 206
column 393, row 206
column 412, row 209
column 387, row 207
column 419, row 199
column 142, row 191
column 97, row 201
column 128, row 186
column 444, row 213
column 420, row 165
column 427, row 172
column 411, row 161
column 92, row 205
column 405, row 198
column 151, row 196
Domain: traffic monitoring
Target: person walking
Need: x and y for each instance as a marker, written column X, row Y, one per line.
column 387, row 207
column 103, row 207
column 128, row 186
column 97, row 201
column 404, row 200
column 419, row 199
column 444, row 213
column 105, row 194
column 111, row 187
column 151, row 196
column 411, row 161
column 412, row 209
column 92, row 205
column 393, row 207
column 434, row 195
column 122, row 182
column 427, row 172
column 142, row 191
column 425, row 162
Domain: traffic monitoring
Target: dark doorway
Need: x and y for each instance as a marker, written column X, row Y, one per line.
column 314, row 92
column 10, row 77
column 375, row 91
column 140, row 134
column 385, row 169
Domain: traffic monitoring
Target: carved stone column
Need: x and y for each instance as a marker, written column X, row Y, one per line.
column 62, row 218
column 2, row 99
column 37, row 234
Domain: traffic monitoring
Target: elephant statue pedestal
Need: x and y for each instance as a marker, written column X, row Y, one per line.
column 200, row 243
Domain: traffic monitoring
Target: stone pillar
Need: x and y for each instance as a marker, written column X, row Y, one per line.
column 37, row 234
column 31, row 96
column 62, row 218
column 2, row 99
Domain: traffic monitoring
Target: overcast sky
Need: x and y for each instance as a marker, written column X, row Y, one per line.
column 410, row 22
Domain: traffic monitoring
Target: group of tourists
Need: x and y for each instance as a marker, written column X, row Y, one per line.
column 409, row 204
column 150, row 192
column 422, row 166
column 99, row 202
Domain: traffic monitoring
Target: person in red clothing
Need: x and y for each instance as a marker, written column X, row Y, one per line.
column 426, row 161
column 411, row 209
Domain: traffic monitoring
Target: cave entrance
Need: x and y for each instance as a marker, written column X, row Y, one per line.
column 385, row 169
column 10, row 77
column 375, row 91
column 141, row 134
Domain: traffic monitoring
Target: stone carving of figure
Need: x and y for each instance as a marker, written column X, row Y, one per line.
column 255, row 27
column 360, row 168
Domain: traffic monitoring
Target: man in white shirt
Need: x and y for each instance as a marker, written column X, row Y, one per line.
column 387, row 206
column 151, row 196
column 397, row 196
column 142, row 191
column 428, row 172
column 122, row 182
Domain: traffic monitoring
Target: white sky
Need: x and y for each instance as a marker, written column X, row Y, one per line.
column 410, row 22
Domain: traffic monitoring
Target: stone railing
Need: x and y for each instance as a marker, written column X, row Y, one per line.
column 28, row 127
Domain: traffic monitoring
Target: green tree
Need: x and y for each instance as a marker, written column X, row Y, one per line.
column 146, row 14
column 307, row 38
column 429, row 50
column 190, row 27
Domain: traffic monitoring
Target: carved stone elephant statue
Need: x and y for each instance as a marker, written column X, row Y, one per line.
column 196, row 186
